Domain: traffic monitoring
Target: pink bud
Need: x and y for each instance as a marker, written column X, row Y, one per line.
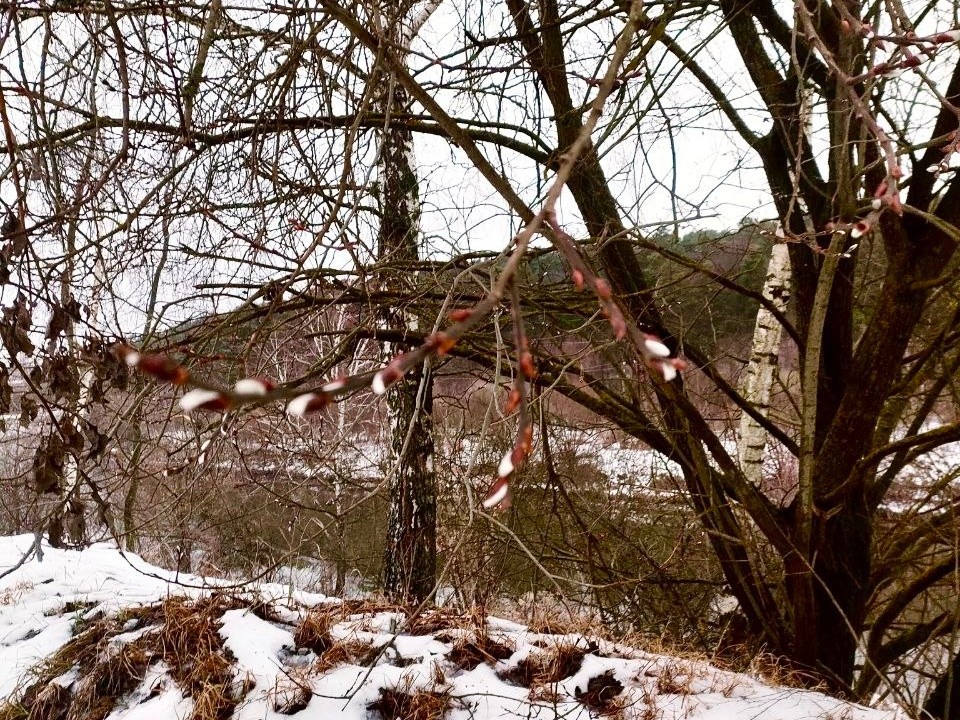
column 577, row 278
column 527, row 366
column 335, row 385
column 619, row 325
column 895, row 204
column 513, row 401
column 440, row 343
column 668, row 370
column 385, row 378
column 127, row 355
column 163, row 368
column 506, row 466
column 602, row 288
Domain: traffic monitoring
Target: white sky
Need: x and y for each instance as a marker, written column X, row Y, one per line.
column 670, row 158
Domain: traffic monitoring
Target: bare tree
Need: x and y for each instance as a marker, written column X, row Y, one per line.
column 260, row 143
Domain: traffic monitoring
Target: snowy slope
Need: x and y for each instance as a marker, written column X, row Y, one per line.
column 137, row 653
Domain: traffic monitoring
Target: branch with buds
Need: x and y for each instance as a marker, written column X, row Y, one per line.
column 255, row 391
column 887, row 194
column 498, row 496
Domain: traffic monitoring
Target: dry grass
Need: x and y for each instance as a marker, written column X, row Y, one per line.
column 52, row 703
column 13, row 593
column 354, row 652
column 117, row 673
column 601, row 693
column 674, row 680
column 36, row 702
column 189, row 642
column 183, row 633
column 433, row 621
column 545, row 668
column 776, row 670
column 404, row 704
column 314, row 632
column 107, row 672
column 468, row 653
column 12, row 711
column 291, row 694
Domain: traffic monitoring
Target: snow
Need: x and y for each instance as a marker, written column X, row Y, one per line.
column 41, row 602
column 155, row 699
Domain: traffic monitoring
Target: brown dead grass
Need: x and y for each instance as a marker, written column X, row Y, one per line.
column 12, row 711
column 117, row 673
column 602, row 693
column 417, row 621
column 468, row 653
column 183, row 633
column 52, row 703
column 778, row 671
column 189, row 642
column 433, row 621
column 404, row 704
column 13, row 593
column 292, row 693
column 314, row 631
column 544, row 668
column 347, row 651
column 674, row 679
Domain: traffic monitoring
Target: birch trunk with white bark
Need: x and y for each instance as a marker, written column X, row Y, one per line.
column 410, row 556
column 761, row 369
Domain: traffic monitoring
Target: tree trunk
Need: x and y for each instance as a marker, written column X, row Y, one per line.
column 411, row 546
column 944, row 702
column 410, row 562
column 841, row 574
column 758, row 379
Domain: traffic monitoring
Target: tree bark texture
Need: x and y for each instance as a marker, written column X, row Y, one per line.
column 764, row 354
column 410, row 557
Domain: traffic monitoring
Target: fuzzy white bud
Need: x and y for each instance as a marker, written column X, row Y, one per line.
column 334, row 385
column 378, row 386
column 195, row 398
column 656, row 348
column 506, row 465
column 250, row 386
column 668, row 370
column 132, row 358
column 497, row 494
column 298, row 406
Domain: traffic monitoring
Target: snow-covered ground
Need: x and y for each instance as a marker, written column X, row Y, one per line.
column 288, row 653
